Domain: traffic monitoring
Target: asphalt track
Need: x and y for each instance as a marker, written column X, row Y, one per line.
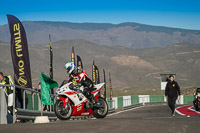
column 145, row 119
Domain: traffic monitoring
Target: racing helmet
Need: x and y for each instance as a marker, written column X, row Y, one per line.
column 198, row 89
column 70, row 66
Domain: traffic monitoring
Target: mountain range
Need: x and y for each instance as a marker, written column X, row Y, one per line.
column 129, row 34
column 131, row 69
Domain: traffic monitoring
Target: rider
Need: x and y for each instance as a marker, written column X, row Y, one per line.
column 80, row 77
column 197, row 92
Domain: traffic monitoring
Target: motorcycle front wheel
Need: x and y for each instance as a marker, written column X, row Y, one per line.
column 63, row 113
column 102, row 111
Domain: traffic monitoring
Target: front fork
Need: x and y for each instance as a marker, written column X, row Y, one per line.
column 65, row 101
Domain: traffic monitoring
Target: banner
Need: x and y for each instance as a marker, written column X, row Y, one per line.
column 104, row 93
column 51, row 62
column 19, row 53
column 79, row 62
column 94, row 74
column 97, row 75
column 51, row 58
column 46, row 84
column 73, row 55
column 111, row 92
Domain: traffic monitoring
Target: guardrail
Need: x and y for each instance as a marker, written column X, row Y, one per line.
column 31, row 114
column 22, row 113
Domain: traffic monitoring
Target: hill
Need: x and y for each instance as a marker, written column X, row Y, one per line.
column 131, row 70
column 131, row 35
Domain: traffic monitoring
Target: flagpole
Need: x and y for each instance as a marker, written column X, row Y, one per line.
column 93, row 73
column 111, row 92
column 73, row 55
column 51, row 58
column 104, row 75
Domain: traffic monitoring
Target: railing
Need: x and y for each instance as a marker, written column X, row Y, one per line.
column 22, row 113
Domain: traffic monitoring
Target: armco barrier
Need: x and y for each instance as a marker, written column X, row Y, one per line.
column 31, row 114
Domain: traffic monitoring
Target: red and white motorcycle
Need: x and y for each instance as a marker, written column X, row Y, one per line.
column 72, row 102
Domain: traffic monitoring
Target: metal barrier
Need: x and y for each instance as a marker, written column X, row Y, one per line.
column 31, row 114
column 22, row 113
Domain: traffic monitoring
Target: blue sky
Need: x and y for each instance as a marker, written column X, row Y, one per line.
column 170, row 13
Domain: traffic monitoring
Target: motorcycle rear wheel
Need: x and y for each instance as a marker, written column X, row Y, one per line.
column 63, row 113
column 101, row 112
column 196, row 105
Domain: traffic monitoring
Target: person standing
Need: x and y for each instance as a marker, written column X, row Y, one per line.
column 172, row 91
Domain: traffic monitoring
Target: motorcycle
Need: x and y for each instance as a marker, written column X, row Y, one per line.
column 196, row 102
column 71, row 102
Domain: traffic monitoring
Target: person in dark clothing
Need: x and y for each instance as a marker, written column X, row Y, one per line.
column 172, row 91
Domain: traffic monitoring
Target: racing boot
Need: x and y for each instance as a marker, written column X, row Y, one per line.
column 93, row 101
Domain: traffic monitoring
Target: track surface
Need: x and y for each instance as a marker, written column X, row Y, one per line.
column 146, row 119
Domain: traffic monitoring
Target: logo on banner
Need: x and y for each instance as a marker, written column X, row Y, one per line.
column 22, row 80
column 94, row 75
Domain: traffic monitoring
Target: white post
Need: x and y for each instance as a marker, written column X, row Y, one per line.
column 3, row 107
column 14, row 104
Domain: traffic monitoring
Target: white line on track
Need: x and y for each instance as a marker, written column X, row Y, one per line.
column 125, row 110
column 149, row 118
column 170, row 117
column 121, row 111
column 192, row 108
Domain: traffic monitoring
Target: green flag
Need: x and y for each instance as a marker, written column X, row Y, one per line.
column 47, row 84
